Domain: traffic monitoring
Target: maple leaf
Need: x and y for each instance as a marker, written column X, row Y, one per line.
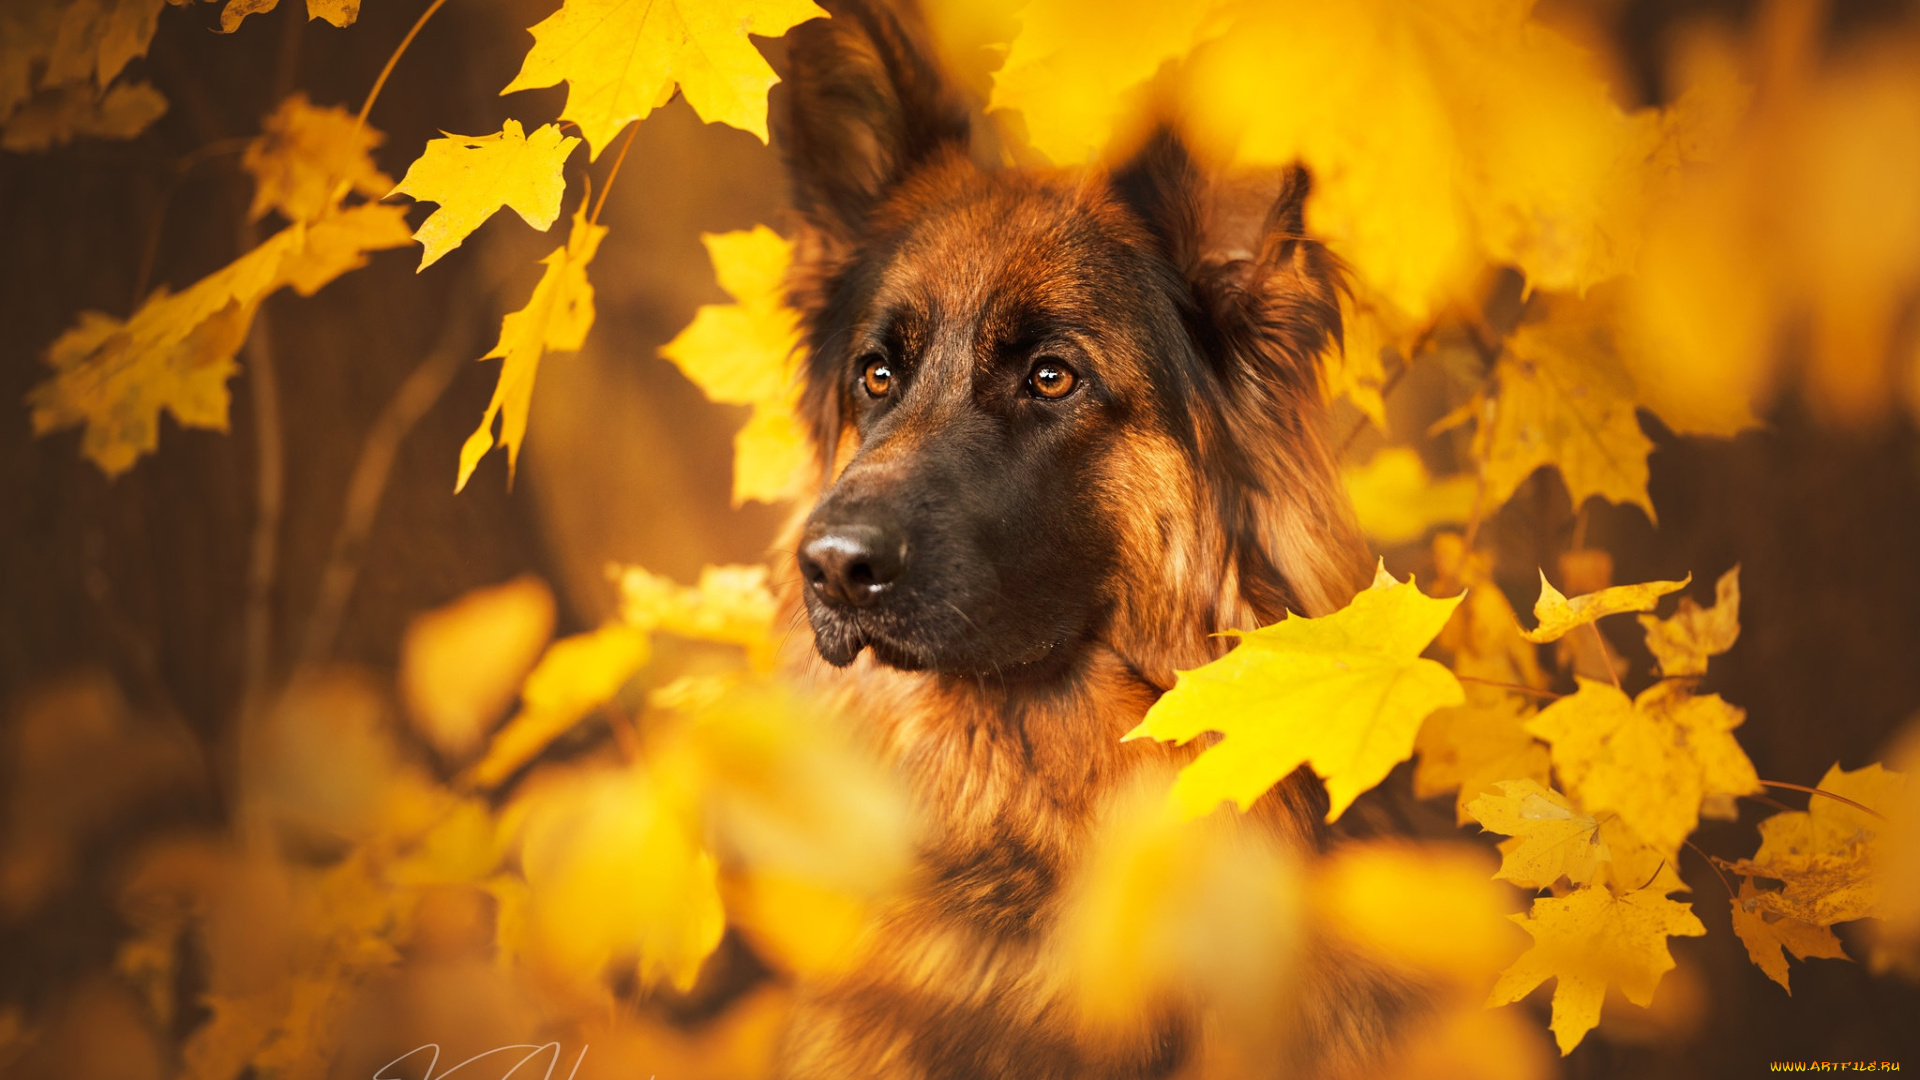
column 1469, row 748
column 1550, row 838
column 306, row 157
column 1563, row 402
column 556, row 318
column 176, row 352
column 1652, row 760
column 1589, row 939
column 335, row 12
column 72, row 51
column 461, row 665
column 471, row 176
column 574, row 676
column 1765, row 935
column 1826, row 856
column 613, row 870
column 1683, row 642
column 1396, row 501
column 55, row 117
column 621, row 59
column 1559, row 615
column 730, row 604
column 744, row 353
column 1344, row 693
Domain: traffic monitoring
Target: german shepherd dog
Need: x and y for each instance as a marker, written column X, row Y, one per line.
column 1070, row 429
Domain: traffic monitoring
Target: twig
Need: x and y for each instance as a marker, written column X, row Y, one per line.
column 361, row 506
column 1828, row 794
column 619, row 159
column 1716, row 869
column 380, row 83
column 1601, row 643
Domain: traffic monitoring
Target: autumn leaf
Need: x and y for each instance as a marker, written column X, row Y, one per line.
column 1826, row 856
column 1559, row 615
column 1766, row 935
column 1344, row 693
column 574, row 676
column 306, row 157
column 1484, row 637
column 71, row 53
column 730, row 604
column 556, row 318
column 1653, row 760
column 471, row 176
column 335, row 12
column 1550, row 839
column 1397, row 502
column 462, row 665
column 176, row 352
column 56, row 117
column 1458, row 930
column 1588, row 940
column 1469, row 748
column 1567, row 403
column 1683, row 642
column 744, row 353
column 1368, row 327
column 621, row 59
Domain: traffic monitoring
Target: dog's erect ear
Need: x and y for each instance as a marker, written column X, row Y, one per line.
column 864, row 104
column 1161, row 185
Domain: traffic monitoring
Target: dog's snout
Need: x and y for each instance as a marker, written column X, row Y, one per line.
column 852, row 564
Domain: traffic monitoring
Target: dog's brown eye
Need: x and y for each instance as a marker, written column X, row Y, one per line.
column 878, row 377
column 1052, row 379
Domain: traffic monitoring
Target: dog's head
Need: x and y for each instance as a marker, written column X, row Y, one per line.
column 1051, row 410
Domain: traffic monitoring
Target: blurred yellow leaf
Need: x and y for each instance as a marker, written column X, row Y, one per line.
column 1471, row 1043
column 1397, row 502
column 59, row 116
column 1344, row 693
column 1550, row 839
column 730, row 604
column 744, row 353
column 613, row 873
column 471, row 176
column 621, row 59
column 1559, row 615
column 1368, row 327
column 1683, row 642
column 1455, row 927
column 1652, row 760
column 575, row 676
column 1588, row 940
column 461, row 665
column 307, row 156
column 1469, row 748
column 1564, row 401
column 1765, row 935
column 1483, row 636
column 556, row 319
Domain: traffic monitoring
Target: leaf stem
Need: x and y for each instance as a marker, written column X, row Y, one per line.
column 1716, row 869
column 618, row 159
column 373, row 95
column 1827, row 794
column 1515, row 687
column 1601, row 643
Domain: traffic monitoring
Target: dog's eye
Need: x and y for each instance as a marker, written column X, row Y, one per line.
column 1052, row 379
column 878, row 376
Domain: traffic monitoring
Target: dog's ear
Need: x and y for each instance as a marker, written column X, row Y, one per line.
column 864, row 105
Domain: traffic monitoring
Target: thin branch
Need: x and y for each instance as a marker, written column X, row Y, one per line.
column 1716, row 869
column 368, row 483
column 380, row 83
column 1515, row 687
column 619, row 159
column 1827, row 794
column 1601, row 643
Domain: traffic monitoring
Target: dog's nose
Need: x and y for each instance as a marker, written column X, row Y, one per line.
column 851, row 564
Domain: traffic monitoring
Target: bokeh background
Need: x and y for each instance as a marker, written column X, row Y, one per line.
column 131, row 633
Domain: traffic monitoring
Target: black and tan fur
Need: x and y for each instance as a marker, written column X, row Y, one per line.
column 1044, row 566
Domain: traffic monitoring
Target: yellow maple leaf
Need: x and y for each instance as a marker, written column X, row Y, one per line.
column 1589, row 939
column 611, row 871
column 471, row 176
column 76, row 111
column 1397, row 502
column 462, row 664
column 176, row 352
column 574, row 676
column 335, row 12
column 1559, row 615
column 730, row 604
column 1344, row 693
column 1653, row 760
column 1484, row 636
column 1550, row 838
column 1468, row 748
column 1683, row 642
column 1567, row 403
column 744, row 353
column 1765, row 935
column 1826, row 856
column 306, row 157
column 556, row 318
column 621, row 59
column 1459, row 929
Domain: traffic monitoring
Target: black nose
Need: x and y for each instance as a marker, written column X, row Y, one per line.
column 851, row 564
